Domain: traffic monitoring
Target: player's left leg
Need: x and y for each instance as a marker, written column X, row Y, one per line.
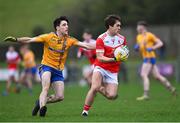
column 95, row 86
column 11, row 74
column 58, row 87
column 145, row 70
column 163, row 80
column 109, row 90
column 41, row 103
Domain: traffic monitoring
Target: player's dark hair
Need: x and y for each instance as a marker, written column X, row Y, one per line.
column 88, row 31
column 143, row 23
column 58, row 20
column 110, row 20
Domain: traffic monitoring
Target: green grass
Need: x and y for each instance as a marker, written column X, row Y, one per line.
column 161, row 107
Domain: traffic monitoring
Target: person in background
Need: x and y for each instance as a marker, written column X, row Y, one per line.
column 12, row 59
column 147, row 43
column 29, row 65
column 90, row 54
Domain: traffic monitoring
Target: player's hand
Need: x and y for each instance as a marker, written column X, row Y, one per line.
column 149, row 49
column 11, row 39
column 136, row 47
column 117, row 58
column 120, row 58
column 124, row 58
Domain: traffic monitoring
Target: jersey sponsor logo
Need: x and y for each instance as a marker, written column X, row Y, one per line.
column 55, row 50
column 113, row 42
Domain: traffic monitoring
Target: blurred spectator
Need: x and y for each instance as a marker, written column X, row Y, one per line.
column 12, row 59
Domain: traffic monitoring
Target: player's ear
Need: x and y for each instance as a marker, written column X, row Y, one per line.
column 57, row 27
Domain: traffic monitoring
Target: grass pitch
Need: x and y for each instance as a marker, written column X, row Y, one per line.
column 161, row 107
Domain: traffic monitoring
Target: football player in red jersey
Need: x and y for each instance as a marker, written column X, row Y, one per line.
column 104, row 79
column 90, row 54
column 12, row 58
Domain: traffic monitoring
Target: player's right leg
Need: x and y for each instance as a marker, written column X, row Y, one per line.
column 41, row 103
column 8, row 85
column 145, row 70
column 95, row 86
column 11, row 73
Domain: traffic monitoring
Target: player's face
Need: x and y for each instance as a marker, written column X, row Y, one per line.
column 140, row 28
column 63, row 28
column 115, row 29
column 11, row 49
column 87, row 36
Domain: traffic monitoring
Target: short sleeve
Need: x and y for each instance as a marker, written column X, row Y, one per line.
column 125, row 41
column 137, row 39
column 153, row 38
column 42, row 38
column 99, row 45
column 74, row 41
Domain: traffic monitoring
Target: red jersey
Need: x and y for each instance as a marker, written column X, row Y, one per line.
column 90, row 54
column 12, row 59
column 106, row 44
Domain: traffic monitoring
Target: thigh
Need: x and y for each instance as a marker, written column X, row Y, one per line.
column 58, row 88
column 111, row 88
column 155, row 71
column 45, row 78
column 96, row 79
column 146, row 68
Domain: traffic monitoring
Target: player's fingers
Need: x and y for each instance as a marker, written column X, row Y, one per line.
column 10, row 38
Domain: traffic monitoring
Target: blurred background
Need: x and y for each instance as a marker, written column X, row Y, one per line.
column 31, row 18
column 34, row 17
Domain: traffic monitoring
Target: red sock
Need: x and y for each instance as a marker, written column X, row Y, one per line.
column 87, row 107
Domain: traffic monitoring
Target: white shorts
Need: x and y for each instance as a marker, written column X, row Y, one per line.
column 12, row 72
column 87, row 69
column 108, row 77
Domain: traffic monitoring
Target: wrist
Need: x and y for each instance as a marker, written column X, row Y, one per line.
column 17, row 39
column 153, row 48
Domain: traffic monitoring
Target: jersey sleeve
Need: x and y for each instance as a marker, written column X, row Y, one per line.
column 42, row 38
column 74, row 41
column 153, row 38
column 99, row 45
column 125, row 41
column 137, row 39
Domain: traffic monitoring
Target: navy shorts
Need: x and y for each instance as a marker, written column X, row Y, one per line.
column 150, row 60
column 56, row 75
column 32, row 70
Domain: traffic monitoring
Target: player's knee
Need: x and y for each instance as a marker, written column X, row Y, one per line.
column 45, row 89
column 157, row 77
column 95, row 88
column 144, row 76
column 112, row 96
column 60, row 98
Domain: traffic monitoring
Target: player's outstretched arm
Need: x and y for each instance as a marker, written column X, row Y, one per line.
column 89, row 46
column 21, row 39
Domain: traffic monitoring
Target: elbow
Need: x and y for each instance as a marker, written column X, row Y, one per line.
column 161, row 44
